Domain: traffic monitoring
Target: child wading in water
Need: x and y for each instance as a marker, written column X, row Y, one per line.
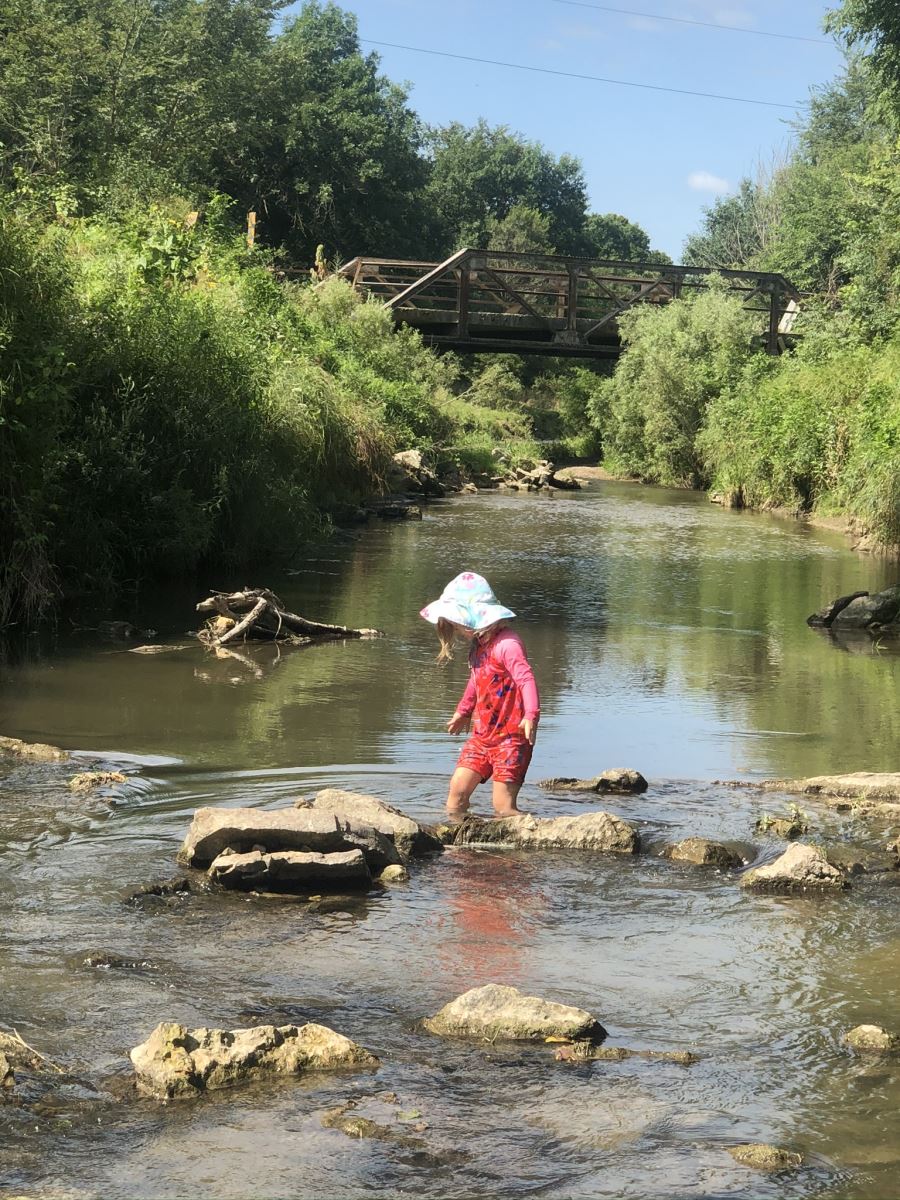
column 500, row 701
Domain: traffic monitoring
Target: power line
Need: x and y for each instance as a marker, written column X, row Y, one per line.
column 653, row 87
column 628, row 12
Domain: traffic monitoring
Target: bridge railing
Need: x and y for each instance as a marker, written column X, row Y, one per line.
column 546, row 301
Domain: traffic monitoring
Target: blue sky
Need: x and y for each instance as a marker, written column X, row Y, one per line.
column 657, row 158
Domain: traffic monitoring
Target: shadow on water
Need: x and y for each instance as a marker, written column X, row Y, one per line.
column 667, row 635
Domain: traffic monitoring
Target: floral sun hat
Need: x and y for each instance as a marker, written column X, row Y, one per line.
column 467, row 600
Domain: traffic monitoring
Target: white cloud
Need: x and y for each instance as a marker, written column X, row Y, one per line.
column 705, row 181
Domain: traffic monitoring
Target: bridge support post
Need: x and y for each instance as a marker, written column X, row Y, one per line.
column 462, row 296
column 775, row 310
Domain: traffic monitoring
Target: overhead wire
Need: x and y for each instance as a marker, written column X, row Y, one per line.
column 653, row 87
column 628, row 12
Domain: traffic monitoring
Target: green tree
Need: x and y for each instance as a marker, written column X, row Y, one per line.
column 480, row 174
column 676, row 359
column 610, row 235
column 736, row 230
column 873, row 27
column 522, row 230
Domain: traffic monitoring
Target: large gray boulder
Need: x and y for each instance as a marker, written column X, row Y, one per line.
column 703, row 853
column 246, row 829
column 359, row 812
column 408, row 472
column 588, row 831
column 174, row 1063
column 495, row 1012
column 824, row 618
column 291, row 870
column 801, row 868
column 616, row 781
column 881, row 608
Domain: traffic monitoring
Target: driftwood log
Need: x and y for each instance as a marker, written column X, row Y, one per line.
column 258, row 613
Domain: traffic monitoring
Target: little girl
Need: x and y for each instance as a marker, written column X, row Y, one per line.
column 501, row 694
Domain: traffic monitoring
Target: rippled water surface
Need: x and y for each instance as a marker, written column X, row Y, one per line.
column 666, row 635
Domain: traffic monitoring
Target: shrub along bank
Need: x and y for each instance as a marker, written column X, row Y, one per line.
column 166, row 402
column 692, row 403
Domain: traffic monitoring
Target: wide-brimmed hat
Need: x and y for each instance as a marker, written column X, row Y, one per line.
column 467, row 600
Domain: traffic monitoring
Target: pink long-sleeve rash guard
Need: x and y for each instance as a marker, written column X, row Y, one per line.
column 501, row 690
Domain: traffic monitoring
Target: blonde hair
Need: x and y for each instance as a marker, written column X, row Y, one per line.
column 447, row 636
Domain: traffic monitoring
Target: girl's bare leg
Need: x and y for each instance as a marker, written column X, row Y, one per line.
column 463, row 783
column 504, row 799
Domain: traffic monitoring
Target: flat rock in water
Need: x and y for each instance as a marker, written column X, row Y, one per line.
column 872, row 1039
column 32, row 751
column 800, row 868
column 291, row 870
column 703, row 853
column 360, row 812
column 245, row 829
column 175, row 1062
column 764, row 1157
column 588, row 831
column 494, row 1012
column 617, row 781
column 880, row 788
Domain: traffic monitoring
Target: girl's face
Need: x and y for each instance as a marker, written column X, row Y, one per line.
column 463, row 631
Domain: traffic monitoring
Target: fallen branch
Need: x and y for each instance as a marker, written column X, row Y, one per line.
column 20, row 1041
column 236, row 630
column 259, row 613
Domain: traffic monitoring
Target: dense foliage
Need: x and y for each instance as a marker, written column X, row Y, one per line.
column 818, row 429
column 166, row 400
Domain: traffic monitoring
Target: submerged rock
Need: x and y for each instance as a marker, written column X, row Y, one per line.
column 764, row 1157
column 394, row 874
column 788, row 828
column 359, row 812
column 589, row 1052
column 32, row 751
column 800, row 868
column 243, row 830
column 853, row 860
column 174, row 1062
column 872, row 1039
column 494, row 1012
column 617, row 781
column 158, row 892
column 290, row 870
column 89, row 781
column 589, row 831
column 703, row 853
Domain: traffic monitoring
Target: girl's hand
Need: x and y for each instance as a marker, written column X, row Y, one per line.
column 458, row 723
column 529, row 729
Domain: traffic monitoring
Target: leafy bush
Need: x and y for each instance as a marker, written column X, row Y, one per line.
column 818, row 434
column 676, row 359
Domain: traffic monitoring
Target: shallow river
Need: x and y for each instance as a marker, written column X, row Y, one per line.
column 666, row 635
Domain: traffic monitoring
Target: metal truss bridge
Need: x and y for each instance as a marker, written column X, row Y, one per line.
column 483, row 301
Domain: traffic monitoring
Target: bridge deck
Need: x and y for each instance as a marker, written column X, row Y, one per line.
column 493, row 300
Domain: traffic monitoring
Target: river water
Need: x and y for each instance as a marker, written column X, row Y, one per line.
column 666, row 635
